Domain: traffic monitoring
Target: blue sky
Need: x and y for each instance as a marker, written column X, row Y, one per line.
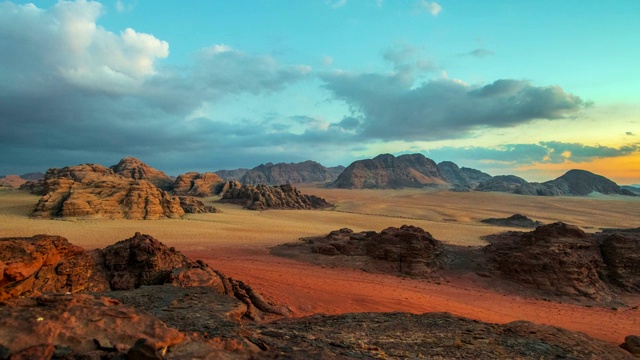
column 521, row 87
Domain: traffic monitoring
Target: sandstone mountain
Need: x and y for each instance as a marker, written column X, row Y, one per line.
column 293, row 173
column 263, row 197
column 228, row 175
column 462, row 178
column 92, row 190
column 388, row 171
column 12, row 182
column 132, row 168
column 197, row 184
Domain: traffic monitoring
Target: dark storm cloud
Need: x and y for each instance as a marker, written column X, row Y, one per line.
column 393, row 109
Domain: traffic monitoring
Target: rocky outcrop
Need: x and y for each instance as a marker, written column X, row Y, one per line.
column 132, row 168
column 621, row 252
column 426, row 336
column 191, row 205
column 65, row 326
column 516, row 220
column 502, row 183
column 196, row 184
column 462, row 179
column 48, row 264
column 408, row 250
column 633, row 189
column 388, row 171
column 263, row 197
column 283, row 173
column 561, row 259
column 92, row 190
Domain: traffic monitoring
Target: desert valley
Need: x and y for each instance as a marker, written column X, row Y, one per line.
column 391, row 257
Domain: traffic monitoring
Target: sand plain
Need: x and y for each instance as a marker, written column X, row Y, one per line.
column 237, row 242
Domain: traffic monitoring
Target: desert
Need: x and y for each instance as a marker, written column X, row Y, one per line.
column 325, row 179
column 242, row 244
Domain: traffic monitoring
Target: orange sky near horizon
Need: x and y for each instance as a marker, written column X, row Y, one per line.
column 624, row 170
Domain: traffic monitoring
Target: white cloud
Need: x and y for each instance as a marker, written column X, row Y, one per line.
column 432, row 8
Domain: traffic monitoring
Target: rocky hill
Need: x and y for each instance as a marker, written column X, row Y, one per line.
column 263, row 197
column 132, row 168
column 12, row 182
column 462, row 179
column 228, row 175
column 92, row 190
column 197, row 184
column 293, row 173
column 388, row 171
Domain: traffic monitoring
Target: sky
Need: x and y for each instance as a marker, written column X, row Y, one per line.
column 531, row 88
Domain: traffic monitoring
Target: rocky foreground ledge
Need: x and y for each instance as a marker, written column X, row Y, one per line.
column 138, row 299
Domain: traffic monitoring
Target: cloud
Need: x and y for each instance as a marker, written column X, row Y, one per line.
column 432, row 8
column 481, row 53
column 544, row 152
column 70, row 87
column 393, row 108
column 335, row 4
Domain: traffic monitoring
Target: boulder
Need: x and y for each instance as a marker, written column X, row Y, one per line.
column 191, row 205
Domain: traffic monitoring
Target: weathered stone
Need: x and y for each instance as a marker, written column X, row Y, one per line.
column 196, row 184
column 387, row 171
column 91, row 190
column 263, row 197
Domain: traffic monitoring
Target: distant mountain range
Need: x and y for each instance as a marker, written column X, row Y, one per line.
column 415, row 170
column 385, row 171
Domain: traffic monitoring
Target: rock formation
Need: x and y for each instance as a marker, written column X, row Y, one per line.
column 388, row 171
column 283, row 173
column 50, row 264
column 12, row 182
column 516, row 220
column 92, row 190
column 426, row 336
column 263, row 197
column 407, row 250
column 47, row 264
column 562, row 260
column 196, row 184
column 502, row 183
column 171, row 307
column 132, row 168
column 191, row 205
column 228, row 175
column 621, row 252
column 574, row 182
column 462, row 179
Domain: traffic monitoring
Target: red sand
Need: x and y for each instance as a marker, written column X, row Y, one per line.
column 309, row 289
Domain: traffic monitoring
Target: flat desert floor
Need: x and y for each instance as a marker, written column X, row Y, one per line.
column 237, row 242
